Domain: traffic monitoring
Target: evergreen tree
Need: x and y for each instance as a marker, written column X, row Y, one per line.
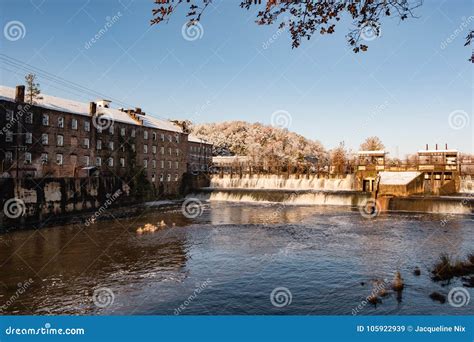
column 32, row 89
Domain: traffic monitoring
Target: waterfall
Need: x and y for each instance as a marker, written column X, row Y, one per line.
column 283, row 183
column 298, row 197
column 467, row 185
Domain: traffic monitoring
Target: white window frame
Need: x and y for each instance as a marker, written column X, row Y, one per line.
column 60, row 140
column 9, row 115
column 9, row 136
column 29, row 118
column 45, row 119
column 27, row 158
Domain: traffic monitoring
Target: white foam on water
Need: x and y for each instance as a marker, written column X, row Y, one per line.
column 280, row 182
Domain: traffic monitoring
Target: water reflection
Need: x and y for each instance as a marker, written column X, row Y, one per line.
column 326, row 256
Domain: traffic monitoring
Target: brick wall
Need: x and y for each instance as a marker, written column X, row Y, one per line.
column 49, row 143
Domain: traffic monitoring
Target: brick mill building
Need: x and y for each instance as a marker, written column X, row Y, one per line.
column 199, row 154
column 57, row 137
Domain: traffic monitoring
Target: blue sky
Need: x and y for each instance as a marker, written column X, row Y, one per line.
column 403, row 89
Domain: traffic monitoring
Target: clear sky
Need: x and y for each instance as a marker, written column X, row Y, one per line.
column 404, row 89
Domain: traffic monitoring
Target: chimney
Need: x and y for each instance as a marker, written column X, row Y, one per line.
column 427, row 147
column 103, row 103
column 436, row 147
column 446, row 146
column 92, row 108
column 20, row 93
column 138, row 110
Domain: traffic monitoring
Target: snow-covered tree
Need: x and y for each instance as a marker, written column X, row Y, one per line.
column 264, row 145
column 372, row 144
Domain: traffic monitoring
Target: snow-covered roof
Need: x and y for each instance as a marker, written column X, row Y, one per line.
column 74, row 107
column 149, row 121
column 379, row 152
column 397, row 178
column 193, row 138
column 438, row 151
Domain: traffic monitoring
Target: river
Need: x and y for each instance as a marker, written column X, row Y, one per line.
column 229, row 260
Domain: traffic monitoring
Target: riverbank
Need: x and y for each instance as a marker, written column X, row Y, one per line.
column 92, row 216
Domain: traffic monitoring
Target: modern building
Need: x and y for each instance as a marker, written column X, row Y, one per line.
column 369, row 164
column 441, row 169
column 435, row 172
column 56, row 137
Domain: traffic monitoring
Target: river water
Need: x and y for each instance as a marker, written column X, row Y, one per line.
column 229, row 260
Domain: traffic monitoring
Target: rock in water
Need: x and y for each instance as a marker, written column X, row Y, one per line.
column 397, row 284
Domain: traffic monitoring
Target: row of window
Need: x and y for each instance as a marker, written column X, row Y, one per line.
column 98, row 160
column 45, row 120
column 86, row 143
column 198, row 149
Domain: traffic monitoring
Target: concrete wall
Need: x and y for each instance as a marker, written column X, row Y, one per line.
column 402, row 190
column 56, row 199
